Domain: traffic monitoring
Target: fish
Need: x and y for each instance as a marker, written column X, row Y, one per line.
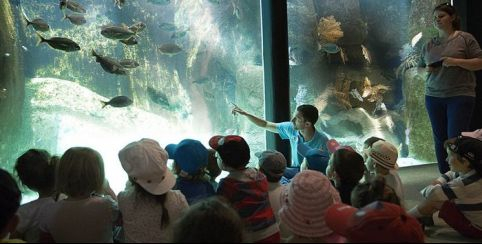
column 201, row 80
column 7, row 54
column 167, row 27
column 116, row 32
column 329, row 48
column 354, row 92
column 3, row 93
column 24, row 48
column 416, row 38
column 119, row 3
column 60, row 43
column 298, row 56
column 178, row 34
column 131, row 41
column 137, row 27
column 366, row 54
column 72, row 5
column 118, row 102
column 110, row 65
column 158, row 97
column 170, row 49
column 38, row 24
column 129, row 63
column 160, row 2
column 76, row 19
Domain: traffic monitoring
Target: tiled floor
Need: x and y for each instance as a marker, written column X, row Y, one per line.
column 416, row 178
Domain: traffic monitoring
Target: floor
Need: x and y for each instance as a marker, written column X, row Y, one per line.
column 416, row 178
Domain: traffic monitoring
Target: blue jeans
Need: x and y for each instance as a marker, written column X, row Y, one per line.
column 449, row 117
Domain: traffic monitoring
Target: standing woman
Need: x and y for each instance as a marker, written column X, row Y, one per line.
column 451, row 58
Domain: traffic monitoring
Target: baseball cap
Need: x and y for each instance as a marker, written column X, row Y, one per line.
column 272, row 162
column 233, row 149
column 190, row 155
column 316, row 158
column 145, row 163
column 376, row 222
column 467, row 147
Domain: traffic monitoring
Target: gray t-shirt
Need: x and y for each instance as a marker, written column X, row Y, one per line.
column 450, row 81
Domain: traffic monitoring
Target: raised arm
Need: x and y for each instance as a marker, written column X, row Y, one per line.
column 267, row 125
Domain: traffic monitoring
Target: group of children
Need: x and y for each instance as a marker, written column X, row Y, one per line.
column 338, row 196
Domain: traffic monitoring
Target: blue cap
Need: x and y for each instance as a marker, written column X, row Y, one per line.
column 316, row 158
column 190, row 155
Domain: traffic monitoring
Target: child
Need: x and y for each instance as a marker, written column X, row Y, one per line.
column 148, row 205
column 373, row 190
column 367, row 145
column 245, row 188
column 190, row 160
column 85, row 215
column 36, row 170
column 377, row 222
column 209, row 221
column 273, row 164
column 314, row 159
column 457, row 193
column 348, row 170
column 308, row 196
column 213, row 168
column 383, row 156
column 9, row 203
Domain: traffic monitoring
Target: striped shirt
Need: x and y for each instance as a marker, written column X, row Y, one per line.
column 250, row 199
column 464, row 189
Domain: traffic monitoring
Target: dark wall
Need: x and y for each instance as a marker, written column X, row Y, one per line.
column 474, row 26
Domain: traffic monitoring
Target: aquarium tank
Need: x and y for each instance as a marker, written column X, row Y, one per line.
column 104, row 73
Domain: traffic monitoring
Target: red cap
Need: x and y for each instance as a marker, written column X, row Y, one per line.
column 376, row 222
column 233, row 149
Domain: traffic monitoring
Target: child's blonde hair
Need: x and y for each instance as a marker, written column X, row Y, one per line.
column 80, row 172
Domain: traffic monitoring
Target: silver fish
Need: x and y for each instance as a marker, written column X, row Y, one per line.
column 119, row 3
column 167, row 27
column 38, row 24
column 178, row 34
column 76, row 19
column 118, row 102
column 158, row 97
column 137, row 27
column 160, row 2
column 116, row 32
column 129, row 63
column 3, row 93
column 110, row 65
column 72, row 5
column 60, row 43
column 131, row 41
column 170, row 49
column 354, row 92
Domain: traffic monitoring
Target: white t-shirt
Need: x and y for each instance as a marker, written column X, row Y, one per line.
column 142, row 219
column 29, row 215
column 86, row 221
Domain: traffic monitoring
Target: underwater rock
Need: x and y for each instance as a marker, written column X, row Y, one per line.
column 66, row 114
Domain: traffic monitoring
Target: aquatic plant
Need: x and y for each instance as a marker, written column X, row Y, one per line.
column 328, row 30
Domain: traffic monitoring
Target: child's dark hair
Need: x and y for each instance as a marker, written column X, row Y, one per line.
column 450, row 10
column 309, row 112
column 142, row 194
column 467, row 148
column 348, row 165
column 10, row 197
column 36, row 170
column 369, row 141
column 374, row 190
column 210, row 220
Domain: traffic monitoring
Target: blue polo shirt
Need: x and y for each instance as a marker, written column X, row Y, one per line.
column 286, row 130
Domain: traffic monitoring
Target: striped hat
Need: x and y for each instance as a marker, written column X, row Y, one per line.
column 307, row 197
column 384, row 154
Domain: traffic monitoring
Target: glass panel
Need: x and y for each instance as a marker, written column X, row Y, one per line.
column 183, row 67
column 355, row 60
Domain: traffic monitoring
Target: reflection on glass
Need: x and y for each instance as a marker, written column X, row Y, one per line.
column 356, row 61
column 166, row 70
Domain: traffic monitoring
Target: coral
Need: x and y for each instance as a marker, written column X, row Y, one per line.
column 328, row 30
